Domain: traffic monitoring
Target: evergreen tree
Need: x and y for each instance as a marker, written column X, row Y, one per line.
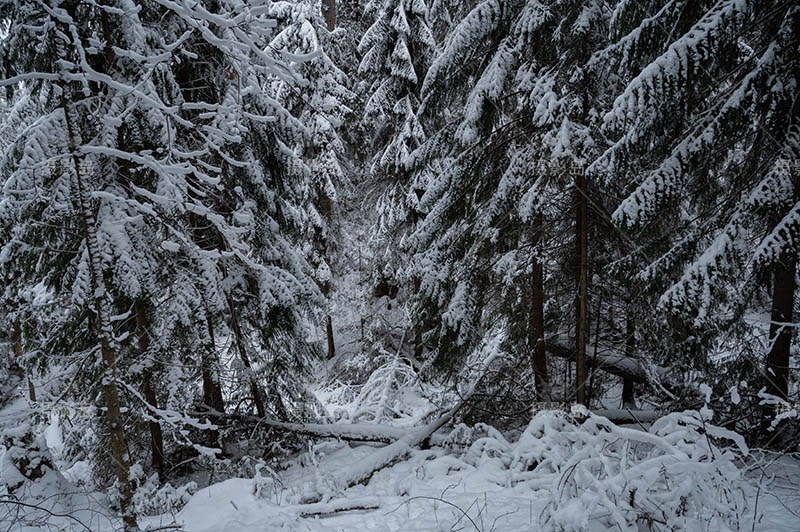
column 512, row 183
column 704, row 134
column 396, row 51
column 321, row 105
column 140, row 203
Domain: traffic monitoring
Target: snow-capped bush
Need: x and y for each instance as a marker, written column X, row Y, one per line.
column 383, row 395
column 27, row 458
column 682, row 474
column 150, row 499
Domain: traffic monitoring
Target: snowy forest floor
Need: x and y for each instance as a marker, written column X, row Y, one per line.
column 482, row 487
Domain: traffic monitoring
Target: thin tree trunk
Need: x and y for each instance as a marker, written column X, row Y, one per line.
column 109, row 383
column 156, row 437
column 255, row 390
column 329, row 12
column 418, row 347
column 780, row 330
column 326, row 289
column 590, row 393
column 539, row 359
column 329, row 332
column 18, row 353
column 628, row 390
column 212, row 391
column 581, row 274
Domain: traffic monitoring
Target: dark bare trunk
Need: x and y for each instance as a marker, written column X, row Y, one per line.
column 255, row 389
column 539, row 360
column 628, row 391
column 329, row 12
column 212, row 392
column 329, row 333
column 780, row 330
column 156, row 437
column 326, row 289
column 581, row 275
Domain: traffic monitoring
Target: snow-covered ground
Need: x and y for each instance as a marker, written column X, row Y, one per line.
column 559, row 475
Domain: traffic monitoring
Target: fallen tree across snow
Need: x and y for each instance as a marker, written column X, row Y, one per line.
column 391, row 454
column 616, row 364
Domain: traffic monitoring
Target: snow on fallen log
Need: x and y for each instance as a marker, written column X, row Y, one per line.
column 623, row 415
column 339, row 506
column 614, row 363
column 356, row 432
column 387, row 456
column 361, row 472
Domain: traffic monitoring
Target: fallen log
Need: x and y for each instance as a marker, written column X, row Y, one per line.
column 350, row 432
column 615, row 364
column 625, row 416
column 384, row 457
column 335, row 507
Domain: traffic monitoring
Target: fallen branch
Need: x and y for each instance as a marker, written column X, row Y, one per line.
column 391, row 454
column 356, row 432
column 343, row 505
column 615, row 364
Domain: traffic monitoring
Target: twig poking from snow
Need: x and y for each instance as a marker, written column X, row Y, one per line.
column 339, row 506
column 437, row 499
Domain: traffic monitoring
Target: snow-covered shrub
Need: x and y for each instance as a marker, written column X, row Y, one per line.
column 682, row 474
column 379, row 387
column 150, row 499
column 383, row 396
column 267, row 484
column 27, row 458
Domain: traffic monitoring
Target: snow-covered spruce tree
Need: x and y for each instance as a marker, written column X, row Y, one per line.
column 511, row 182
column 45, row 47
column 445, row 14
column 705, row 147
column 256, row 282
column 132, row 192
column 321, row 104
column 396, row 51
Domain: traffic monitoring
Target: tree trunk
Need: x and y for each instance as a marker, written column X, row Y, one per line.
column 326, row 289
column 780, row 330
column 599, row 313
column 581, row 274
column 156, row 437
column 329, row 12
column 104, row 329
column 418, row 347
column 539, row 358
column 212, row 392
column 255, row 390
column 18, row 353
column 329, row 332
column 628, row 390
